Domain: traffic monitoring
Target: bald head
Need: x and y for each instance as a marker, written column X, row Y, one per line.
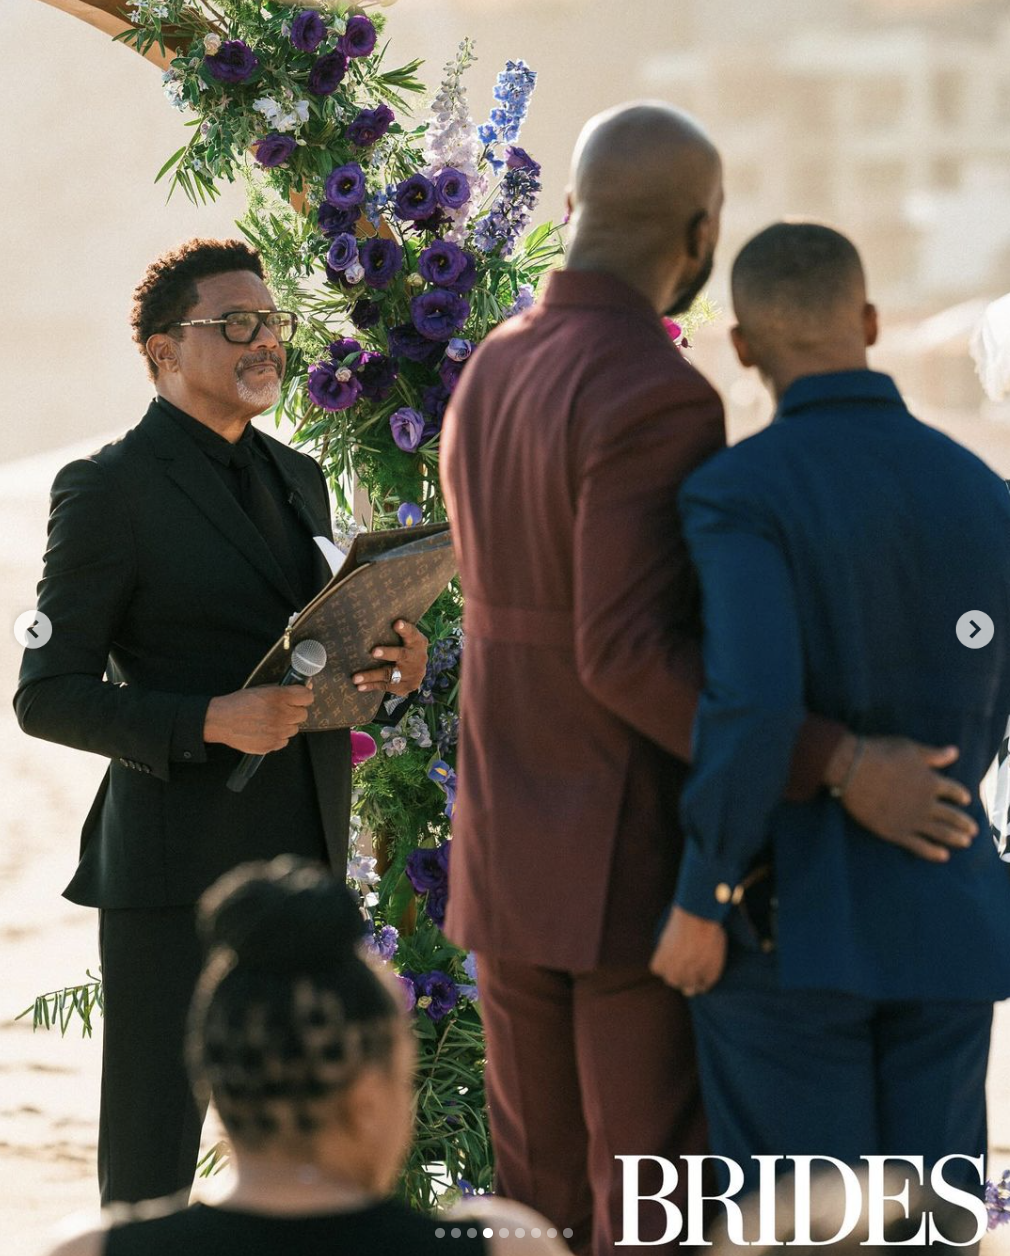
column 648, row 163
column 646, row 195
column 799, row 294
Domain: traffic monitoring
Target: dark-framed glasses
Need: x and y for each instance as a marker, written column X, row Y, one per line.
column 241, row 327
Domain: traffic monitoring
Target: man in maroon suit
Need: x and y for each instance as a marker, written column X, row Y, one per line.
column 566, row 441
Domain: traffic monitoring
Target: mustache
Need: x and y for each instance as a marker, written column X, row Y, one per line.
column 249, row 360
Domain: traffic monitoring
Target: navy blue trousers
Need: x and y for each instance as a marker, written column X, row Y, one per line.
column 819, row 1072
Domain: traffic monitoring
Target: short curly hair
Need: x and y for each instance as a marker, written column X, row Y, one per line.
column 168, row 292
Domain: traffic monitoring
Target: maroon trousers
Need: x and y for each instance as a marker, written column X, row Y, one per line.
column 583, row 1067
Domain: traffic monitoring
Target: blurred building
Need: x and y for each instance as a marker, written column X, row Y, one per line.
column 890, row 120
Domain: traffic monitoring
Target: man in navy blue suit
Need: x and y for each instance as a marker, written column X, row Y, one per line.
column 843, row 999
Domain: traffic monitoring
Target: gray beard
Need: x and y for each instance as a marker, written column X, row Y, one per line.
column 266, row 396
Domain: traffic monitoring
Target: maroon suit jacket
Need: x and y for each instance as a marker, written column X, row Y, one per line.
column 564, row 446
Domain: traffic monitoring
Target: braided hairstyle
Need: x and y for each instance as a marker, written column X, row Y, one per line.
column 287, row 1013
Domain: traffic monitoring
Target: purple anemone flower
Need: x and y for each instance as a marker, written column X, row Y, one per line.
column 382, row 260
column 327, row 74
column 345, row 186
column 308, row 31
column 234, row 62
column 437, row 315
column 370, row 125
column 407, row 427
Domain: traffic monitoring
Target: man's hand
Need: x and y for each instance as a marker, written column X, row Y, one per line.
column 410, row 659
column 895, row 791
column 258, row 720
column 691, row 953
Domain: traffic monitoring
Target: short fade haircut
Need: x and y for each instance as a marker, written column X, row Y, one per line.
column 168, row 292
column 803, row 267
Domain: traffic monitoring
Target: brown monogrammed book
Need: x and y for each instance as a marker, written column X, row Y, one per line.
column 386, row 576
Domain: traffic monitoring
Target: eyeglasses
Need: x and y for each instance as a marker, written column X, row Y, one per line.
column 241, row 327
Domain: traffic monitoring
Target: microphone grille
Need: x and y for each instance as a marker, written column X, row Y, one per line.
column 308, row 658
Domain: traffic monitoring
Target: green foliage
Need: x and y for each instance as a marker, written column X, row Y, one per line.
column 59, row 1008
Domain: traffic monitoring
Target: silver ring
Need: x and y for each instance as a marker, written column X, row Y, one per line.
column 395, row 676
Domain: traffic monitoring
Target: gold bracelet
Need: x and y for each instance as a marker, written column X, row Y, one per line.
column 838, row 791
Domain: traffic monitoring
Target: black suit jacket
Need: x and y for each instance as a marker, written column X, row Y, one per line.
column 162, row 594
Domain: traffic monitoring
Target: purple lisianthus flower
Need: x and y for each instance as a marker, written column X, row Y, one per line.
column 343, row 251
column 519, row 159
column 330, row 393
column 345, row 187
column 449, row 373
column 435, row 905
column 407, row 427
column 382, row 260
column 341, row 350
column 414, row 198
column 467, row 279
column 439, row 991
column 377, row 374
column 308, row 31
column 370, row 125
column 406, row 982
column 428, row 868
column 405, row 341
column 459, row 350
column 327, row 74
column 234, row 62
column 409, row 515
column 434, row 400
column 442, row 263
column 359, row 38
column 438, row 314
column 333, row 221
column 274, row 149
column 452, row 188
column 365, row 313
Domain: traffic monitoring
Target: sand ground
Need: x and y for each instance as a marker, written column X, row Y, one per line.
column 48, row 1085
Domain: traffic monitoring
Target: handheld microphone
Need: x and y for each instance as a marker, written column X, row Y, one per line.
column 308, row 658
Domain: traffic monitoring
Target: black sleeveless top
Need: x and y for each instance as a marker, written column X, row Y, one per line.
column 385, row 1229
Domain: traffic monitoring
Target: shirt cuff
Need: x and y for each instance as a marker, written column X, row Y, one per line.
column 707, row 888
column 187, row 744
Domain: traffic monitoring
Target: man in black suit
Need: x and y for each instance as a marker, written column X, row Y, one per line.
column 176, row 556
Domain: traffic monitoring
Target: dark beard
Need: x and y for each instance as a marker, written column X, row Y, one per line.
column 684, row 299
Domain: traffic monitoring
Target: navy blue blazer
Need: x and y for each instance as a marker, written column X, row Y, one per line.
column 837, row 550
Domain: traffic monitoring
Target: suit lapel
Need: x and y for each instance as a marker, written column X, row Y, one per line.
column 313, row 524
column 187, row 466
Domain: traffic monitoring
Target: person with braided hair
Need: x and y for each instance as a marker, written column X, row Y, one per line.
column 304, row 1045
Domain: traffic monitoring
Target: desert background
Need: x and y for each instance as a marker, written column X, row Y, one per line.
column 887, row 118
